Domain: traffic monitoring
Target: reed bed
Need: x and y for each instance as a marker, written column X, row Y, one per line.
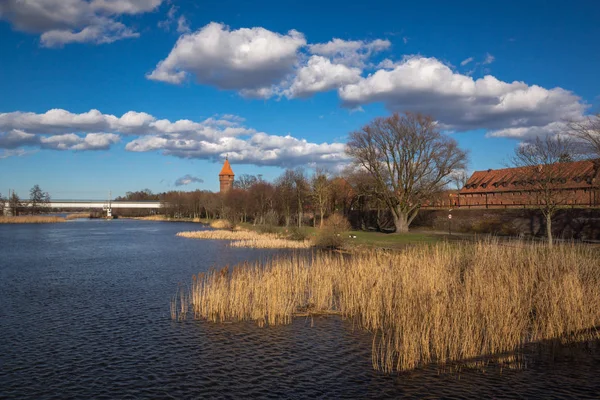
column 274, row 243
column 77, row 216
column 164, row 218
column 31, row 219
column 220, row 224
column 442, row 304
column 150, row 218
column 244, row 238
column 227, row 235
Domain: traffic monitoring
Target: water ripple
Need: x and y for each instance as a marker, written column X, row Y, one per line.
column 84, row 314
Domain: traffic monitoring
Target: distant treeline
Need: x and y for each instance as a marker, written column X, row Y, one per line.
column 293, row 199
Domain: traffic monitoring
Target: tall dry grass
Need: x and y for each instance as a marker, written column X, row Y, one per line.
column 442, row 303
column 220, row 224
column 30, row 219
column 163, row 218
column 244, row 238
column 274, row 243
column 226, row 235
column 77, row 216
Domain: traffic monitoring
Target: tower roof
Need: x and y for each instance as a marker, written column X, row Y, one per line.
column 226, row 170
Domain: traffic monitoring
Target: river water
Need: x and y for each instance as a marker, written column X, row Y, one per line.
column 84, row 313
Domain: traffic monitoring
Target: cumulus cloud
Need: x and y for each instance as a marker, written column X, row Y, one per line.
column 321, row 75
column 69, row 141
column 460, row 102
column 187, row 179
column 246, row 58
column 74, row 21
column 353, row 53
column 211, row 138
column 258, row 63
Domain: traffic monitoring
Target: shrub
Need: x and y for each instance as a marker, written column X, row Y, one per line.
column 331, row 235
column 267, row 228
column 220, row 224
column 298, row 234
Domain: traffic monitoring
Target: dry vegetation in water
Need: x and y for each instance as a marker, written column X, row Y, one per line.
column 275, row 243
column 164, row 218
column 31, row 219
column 244, row 238
column 77, row 215
column 443, row 303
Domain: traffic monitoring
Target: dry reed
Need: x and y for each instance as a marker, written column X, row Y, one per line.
column 274, row 243
column 226, row 235
column 442, row 303
column 77, row 216
column 244, row 238
column 30, row 219
column 220, row 224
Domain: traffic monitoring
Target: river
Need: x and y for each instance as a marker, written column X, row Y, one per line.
column 84, row 313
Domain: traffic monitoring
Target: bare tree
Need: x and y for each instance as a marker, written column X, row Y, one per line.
column 541, row 160
column 2, row 204
column 301, row 193
column 14, row 203
column 409, row 159
column 261, row 196
column 38, row 199
column 321, row 193
column 459, row 179
column 244, row 181
column 588, row 132
column 284, row 191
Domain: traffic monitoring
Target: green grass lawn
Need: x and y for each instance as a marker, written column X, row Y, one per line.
column 388, row 240
column 363, row 238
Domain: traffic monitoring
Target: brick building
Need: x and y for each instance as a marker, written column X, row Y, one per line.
column 226, row 177
column 578, row 183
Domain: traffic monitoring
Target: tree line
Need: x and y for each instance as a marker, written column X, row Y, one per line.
column 37, row 203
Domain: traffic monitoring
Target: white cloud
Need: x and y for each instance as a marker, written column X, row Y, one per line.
column 13, row 153
column 461, row 103
column 108, row 32
column 231, row 59
column 125, row 6
column 488, row 59
column 187, row 179
column 466, row 61
column 320, row 75
column 258, row 63
column 211, row 138
column 182, row 25
column 74, row 21
column 69, row 141
column 353, row 53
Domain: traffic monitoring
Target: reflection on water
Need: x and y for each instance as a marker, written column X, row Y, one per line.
column 84, row 313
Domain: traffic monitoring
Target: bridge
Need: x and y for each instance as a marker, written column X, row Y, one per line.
column 106, row 205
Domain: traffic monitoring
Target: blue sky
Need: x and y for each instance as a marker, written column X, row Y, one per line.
column 103, row 95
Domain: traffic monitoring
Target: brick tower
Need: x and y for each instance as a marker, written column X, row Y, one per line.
column 226, row 177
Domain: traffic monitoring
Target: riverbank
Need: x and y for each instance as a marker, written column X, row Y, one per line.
column 41, row 219
column 442, row 303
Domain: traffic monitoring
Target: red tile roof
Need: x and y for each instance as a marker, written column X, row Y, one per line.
column 226, row 170
column 571, row 175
